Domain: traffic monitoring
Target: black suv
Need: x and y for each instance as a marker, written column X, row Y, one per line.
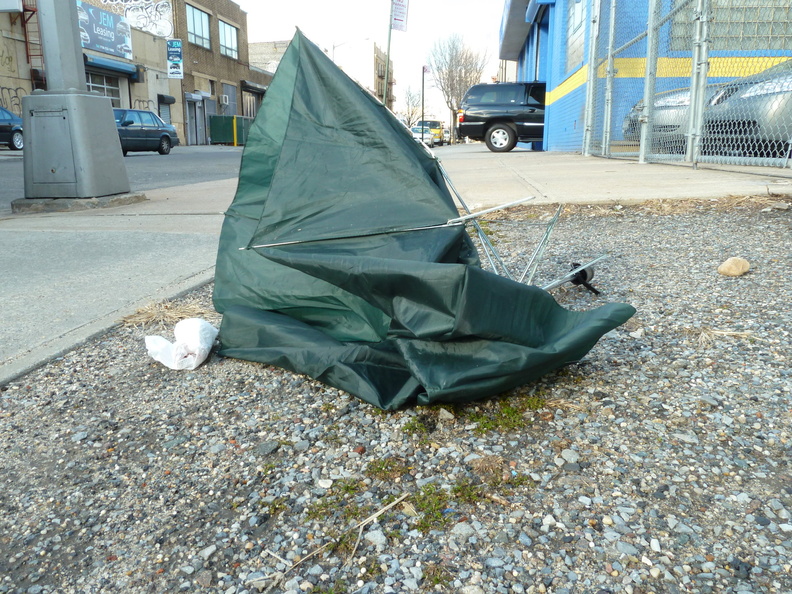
column 501, row 114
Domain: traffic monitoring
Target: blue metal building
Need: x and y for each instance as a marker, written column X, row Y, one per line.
column 551, row 40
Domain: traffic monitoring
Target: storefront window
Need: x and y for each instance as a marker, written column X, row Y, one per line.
column 105, row 85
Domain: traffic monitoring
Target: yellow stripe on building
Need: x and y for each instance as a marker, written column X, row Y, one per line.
column 577, row 79
column 720, row 67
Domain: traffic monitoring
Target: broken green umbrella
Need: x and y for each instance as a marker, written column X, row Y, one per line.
column 335, row 259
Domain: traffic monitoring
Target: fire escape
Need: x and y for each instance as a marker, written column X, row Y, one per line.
column 35, row 53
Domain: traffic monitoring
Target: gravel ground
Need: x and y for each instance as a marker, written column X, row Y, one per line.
column 660, row 463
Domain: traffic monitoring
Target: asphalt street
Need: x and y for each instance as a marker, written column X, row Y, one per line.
column 146, row 170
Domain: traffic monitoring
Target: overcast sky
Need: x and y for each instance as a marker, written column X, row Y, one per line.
column 343, row 23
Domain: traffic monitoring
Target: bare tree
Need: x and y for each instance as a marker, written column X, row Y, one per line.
column 412, row 107
column 455, row 69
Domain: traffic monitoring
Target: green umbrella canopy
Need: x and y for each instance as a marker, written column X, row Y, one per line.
column 335, row 259
column 364, row 171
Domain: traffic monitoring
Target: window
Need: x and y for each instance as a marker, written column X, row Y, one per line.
column 134, row 117
column 148, row 119
column 105, row 85
column 537, row 96
column 228, row 40
column 575, row 33
column 198, row 27
column 499, row 95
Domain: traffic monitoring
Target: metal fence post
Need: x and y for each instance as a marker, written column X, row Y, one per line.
column 650, row 76
column 591, row 83
column 611, row 73
column 698, row 82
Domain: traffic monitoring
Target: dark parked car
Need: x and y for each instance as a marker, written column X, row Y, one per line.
column 501, row 114
column 142, row 130
column 11, row 130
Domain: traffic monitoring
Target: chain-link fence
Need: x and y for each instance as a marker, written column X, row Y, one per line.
column 718, row 72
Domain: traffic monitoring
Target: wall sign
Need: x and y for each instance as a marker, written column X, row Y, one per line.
column 104, row 31
column 399, row 15
column 175, row 63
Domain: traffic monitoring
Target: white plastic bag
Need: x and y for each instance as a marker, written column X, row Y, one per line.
column 194, row 339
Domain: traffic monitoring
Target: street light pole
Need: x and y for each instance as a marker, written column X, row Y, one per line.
column 62, row 156
column 387, row 56
column 423, row 76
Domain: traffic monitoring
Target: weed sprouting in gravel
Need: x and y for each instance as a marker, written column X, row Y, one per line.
column 371, row 569
column 420, row 427
column 485, row 227
column 337, row 503
column 329, row 507
column 338, row 587
column 437, row 575
column 415, row 427
column 332, row 436
column 504, row 416
column 465, row 491
column 276, row 506
column 431, row 501
column 387, row 468
column 349, row 486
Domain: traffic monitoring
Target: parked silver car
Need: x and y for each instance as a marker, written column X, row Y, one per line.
column 751, row 116
column 424, row 135
column 671, row 113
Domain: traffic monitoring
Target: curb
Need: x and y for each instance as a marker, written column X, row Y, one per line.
column 39, row 205
column 53, row 348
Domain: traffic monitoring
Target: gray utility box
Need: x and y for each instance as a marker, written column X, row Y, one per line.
column 72, row 149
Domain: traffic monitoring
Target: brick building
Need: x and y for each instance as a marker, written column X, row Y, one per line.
column 129, row 60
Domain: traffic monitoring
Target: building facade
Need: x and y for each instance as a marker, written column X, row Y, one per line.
column 128, row 49
column 597, row 54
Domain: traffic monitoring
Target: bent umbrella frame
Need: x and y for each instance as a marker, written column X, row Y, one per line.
column 579, row 274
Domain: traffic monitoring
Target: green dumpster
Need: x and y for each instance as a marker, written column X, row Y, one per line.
column 231, row 130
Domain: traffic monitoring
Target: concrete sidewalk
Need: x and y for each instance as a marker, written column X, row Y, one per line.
column 485, row 179
column 70, row 276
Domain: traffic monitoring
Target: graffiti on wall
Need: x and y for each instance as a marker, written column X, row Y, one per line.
column 151, row 16
column 147, row 104
column 11, row 99
column 7, row 61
